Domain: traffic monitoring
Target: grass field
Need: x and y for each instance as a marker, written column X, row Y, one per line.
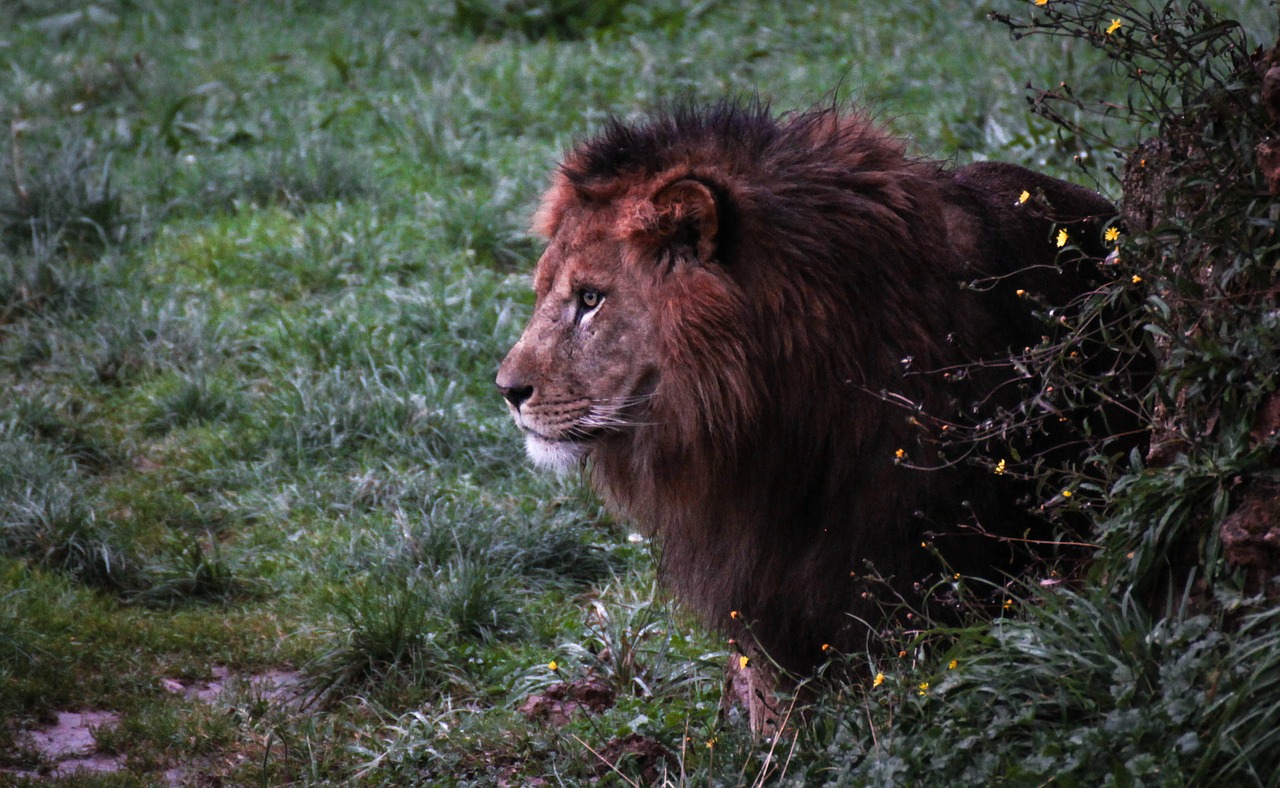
column 258, row 264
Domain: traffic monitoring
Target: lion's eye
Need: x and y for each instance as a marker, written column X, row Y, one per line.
column 589, row 299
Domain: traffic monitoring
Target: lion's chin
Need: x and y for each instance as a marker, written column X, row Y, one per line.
column 553, row 455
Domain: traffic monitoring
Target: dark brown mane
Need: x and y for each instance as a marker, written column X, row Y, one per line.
column 768, row 466
column 641, row 150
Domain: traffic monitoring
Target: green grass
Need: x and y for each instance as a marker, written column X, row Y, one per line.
column 256, row 273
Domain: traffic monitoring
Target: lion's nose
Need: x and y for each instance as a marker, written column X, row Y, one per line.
column 516, row 395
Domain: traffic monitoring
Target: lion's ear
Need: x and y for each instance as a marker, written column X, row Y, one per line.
column 686, row 214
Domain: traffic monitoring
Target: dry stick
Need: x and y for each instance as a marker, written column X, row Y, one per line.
column 684, row 752
column 15, row 132
column 979, row 531
column 768, row 759
column 791, row 754
column 607, row 762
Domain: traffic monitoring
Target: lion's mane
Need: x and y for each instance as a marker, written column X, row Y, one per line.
column 778, row 466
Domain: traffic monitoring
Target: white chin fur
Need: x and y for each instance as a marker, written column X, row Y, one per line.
column 558, row 456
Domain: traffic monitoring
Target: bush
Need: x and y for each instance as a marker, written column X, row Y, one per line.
column 1163, row 666
column 1199, row 252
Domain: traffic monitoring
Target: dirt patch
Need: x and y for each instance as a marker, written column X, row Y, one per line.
column 284, row 689
column 71, row 745
column 278, row 687
column 559, row 702
column 648, row 755
column 1251, row 538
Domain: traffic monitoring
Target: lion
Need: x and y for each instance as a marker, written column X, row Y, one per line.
column 733, row 307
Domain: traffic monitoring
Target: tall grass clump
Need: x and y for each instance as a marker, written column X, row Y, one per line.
column 33, row 282
column 59, row 197
column 196, row 398
column 621, row 698
column 402, row 632
column 630, row 644
column 130, row 337
column 63, row 425
column 385, row 631
column 47, row 517
column 433, row 582
column 35, row 667
column 337, row 414
column 195, row 569
column 487, row 226
column 296, row 176
column 60, row 217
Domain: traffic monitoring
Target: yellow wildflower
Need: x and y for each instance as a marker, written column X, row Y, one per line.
column 879, row 679
column 742, row 662
column 1042, row 2
column 923, row 689
column 1020, row 292
column 826, row 646
column 1062, row 238
column 552, row 665
column 1136, row 279
column 1008, row 603
column 1066, row 493
column 1115, row 25
column 900, row 453
column 733, row 614
column 953, row 664
column 1112, row 234
column 1026, row 195
column 1000, row 466
column 711, row 743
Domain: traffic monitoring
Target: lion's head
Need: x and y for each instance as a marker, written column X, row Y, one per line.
column 738, row 320
column 628, row 279
column 588, row 363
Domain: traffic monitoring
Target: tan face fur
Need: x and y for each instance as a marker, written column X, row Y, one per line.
column 586, row 364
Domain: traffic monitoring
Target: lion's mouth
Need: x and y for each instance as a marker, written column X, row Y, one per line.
column 557, row 454
column 573, row 434
column 574, row 437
